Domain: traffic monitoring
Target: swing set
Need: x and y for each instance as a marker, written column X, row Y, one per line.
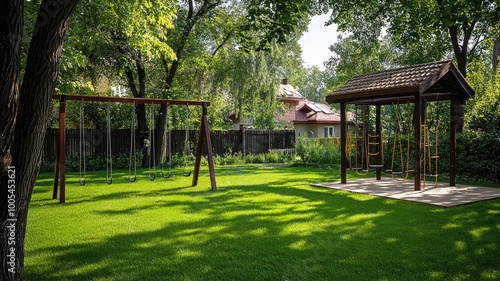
column 203, row 140
column 366, row 146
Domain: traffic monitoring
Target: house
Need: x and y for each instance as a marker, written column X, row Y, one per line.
column 308, row 118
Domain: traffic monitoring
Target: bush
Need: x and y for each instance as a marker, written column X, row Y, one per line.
column 478, row 156
column 318, row 152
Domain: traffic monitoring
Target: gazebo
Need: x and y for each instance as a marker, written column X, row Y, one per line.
column 418, row 84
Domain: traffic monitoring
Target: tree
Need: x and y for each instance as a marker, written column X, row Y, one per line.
column 465, row 24
column 313, row 86
column 353, row 56
column 27, row 108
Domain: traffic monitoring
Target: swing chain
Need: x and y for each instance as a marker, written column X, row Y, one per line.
column 133, row 153
column 187, row 149
column 152, row 160
column 166, row 149
column 109, row 159
column 82, row 145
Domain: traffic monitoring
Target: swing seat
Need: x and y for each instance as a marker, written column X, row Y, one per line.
column 376, row 166
column 434, row 157
column 410, row 171
column 430, row 175
column 356, row 169
column 393, row 173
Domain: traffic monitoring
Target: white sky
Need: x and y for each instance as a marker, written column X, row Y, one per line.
column 316, row 40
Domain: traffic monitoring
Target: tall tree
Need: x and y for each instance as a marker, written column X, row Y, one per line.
column 461, row 24
column 25, row 125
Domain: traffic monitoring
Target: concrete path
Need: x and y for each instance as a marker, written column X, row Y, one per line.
column 443, row 195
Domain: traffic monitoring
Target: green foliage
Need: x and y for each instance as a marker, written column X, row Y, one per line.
column 323, row 152
column 353, row 56
column 483, row 112
column 271, row 21
column 313, row 86
column 441, row 27
column 478, row 146
column 230, row 158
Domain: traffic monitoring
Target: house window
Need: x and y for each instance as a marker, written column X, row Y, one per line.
column 329, row 132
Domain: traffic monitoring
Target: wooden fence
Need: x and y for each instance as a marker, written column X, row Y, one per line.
column 244, row 141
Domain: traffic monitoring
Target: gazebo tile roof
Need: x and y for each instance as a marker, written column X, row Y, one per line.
column 402, row 81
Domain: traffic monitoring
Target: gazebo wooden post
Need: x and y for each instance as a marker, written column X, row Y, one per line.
column 379, row 140
column 343, row 142
column 453, row 141
column 417, row 114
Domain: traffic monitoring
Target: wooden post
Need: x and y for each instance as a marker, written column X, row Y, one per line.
column 453, row 141
column 417, row 141
column 343, row 142
column 204, row 137
column 62, row 150
column 379, row 140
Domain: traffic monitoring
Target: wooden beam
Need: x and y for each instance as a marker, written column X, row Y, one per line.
column 130, row 100
column 343, row 142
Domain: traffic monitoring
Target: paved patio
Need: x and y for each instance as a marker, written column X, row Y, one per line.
column 443, row 195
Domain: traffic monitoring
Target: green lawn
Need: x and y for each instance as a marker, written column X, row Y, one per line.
column 264, row 223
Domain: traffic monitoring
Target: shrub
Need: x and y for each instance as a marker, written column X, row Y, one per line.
column 478, row 156
column 318, row 152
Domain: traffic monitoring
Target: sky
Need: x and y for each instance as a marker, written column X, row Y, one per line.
column 316, row 40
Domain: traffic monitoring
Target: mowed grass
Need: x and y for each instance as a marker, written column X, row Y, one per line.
column 264, row 223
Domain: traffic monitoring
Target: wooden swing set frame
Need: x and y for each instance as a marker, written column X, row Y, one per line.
column 203, row 139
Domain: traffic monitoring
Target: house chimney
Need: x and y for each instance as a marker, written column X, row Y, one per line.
column 284, row 81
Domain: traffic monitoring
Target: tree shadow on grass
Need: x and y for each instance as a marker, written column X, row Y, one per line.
column 276, row 231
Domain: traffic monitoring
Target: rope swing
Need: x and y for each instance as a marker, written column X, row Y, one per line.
column 364, row 145
column 109, row 160
column 133, row 152
column 427, row 151
column 405, row 169
column 152, row 161
column 83, row 170
column 187, row 150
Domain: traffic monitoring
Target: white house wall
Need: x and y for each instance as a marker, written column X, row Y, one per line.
column 314, row 130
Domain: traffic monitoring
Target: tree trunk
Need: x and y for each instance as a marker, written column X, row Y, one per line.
column 460, row 53
column 34, row 110
column 161, row 120
column 11, row 28
column 190, row 21
column 140, row 109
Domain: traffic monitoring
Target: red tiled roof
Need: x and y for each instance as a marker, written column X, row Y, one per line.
column 313, row 112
